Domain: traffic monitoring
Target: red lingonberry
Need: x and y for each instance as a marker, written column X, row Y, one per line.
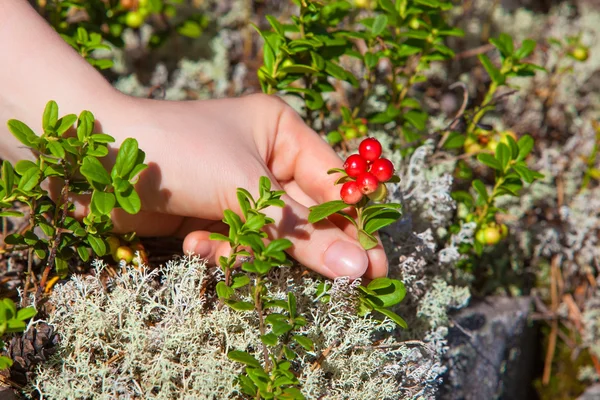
column 370, row 149
column 355, row 165
column 367, row 182
column 350, row 193
column 383, row 169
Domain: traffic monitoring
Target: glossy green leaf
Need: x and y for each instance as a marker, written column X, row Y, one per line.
column 129, row 201
column 503, row 155
column 94, row 171
column 62, row 267
column 29, row 179
column 97, row 245
column 525, row 144
column 322, row 211
column 102, row 202
column 240, row 305
column 50, row 116
column 394, row 317
column 480, row 189
column 304, row 342
column 379, row 24
column 224, row 291
column 490, row 161
column 270, row 339
column 126, row 157
column 244, row 358
column 366, row 240
column 239, row 281
column 493, row 72
column 22, row 132
column 26, row 313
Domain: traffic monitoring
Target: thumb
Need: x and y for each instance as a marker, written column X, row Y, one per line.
column 322, row 247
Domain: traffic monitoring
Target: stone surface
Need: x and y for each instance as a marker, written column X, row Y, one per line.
column 493, row 351
column 592, row 393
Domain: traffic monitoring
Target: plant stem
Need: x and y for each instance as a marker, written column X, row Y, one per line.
column 261, row 322
column 64, row 208
column 483, row 109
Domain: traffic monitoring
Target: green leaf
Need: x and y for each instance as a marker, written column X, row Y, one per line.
column 224, row 291
column 102, row 138
column 270, row 339
column 102, row 202
column 292, row 304
column 22, row 132
column 490, row 161
column 366, row 240
column 244, row 358
column 239, row 281
column 304, row 342
column 524, row 172
column 280, row 327
column 126, row 157
column 380, row 283
column 455, row 140
column 240, row 305
column 480, row 189
column 10, row 308
column 14, row 325
column 417, row 119
column 527, row 47
column 56, row 149
column 11, row 214
column 379, row 24
column 389, row 292
column 50, row 116
column 94, row 171
column 503, row 154
column 5, row 362
column 494, row 72
column 26, row 313
column 97, row 244
column 276, row 25
column 23, row 165
column 299, row 69
column 85, row 125
column 381, row 219
column 29, row 179
column 322, row 211
column 525, row 144
column 393, row 316
column 191, row 29
column 62, row 267
column 83, row 253
column 278, row 245
column 129, row 201
column 218, row 236
column 8, row 176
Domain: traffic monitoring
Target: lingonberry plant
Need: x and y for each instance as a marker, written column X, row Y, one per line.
column 73, row 158
column 87, row 24
column 304, row 57
column 363, row 179
column 246, row 289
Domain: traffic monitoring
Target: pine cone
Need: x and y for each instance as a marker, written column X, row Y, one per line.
column 30, row 349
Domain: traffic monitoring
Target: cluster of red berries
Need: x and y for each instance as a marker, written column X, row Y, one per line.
column 369, row 172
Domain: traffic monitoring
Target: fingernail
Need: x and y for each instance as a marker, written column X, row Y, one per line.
column 201, row 248
column 346, row 259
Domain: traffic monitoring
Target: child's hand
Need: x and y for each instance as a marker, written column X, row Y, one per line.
column 200, row 152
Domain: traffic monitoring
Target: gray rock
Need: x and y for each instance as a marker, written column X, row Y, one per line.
column 493, row 350
column 592, row 393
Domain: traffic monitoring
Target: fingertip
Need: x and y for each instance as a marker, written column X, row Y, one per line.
column 378, row 263
column 343, row 258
